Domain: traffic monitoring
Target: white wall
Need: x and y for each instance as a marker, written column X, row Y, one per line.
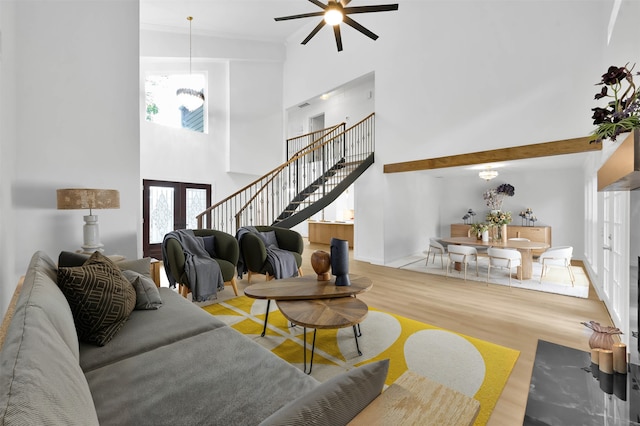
column 256, row 142
column 246, row 130
column 349, row 103
column 455, row 77
column 558, row 206
column 76, row 125
column 8, row 273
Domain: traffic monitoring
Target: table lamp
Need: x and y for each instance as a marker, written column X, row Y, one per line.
column 82, row 198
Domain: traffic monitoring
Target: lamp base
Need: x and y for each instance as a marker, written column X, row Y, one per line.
column 91, row 235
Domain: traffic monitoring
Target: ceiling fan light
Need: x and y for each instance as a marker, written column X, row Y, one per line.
column 333, row 16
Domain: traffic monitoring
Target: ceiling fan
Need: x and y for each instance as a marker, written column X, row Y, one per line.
column 336, row 11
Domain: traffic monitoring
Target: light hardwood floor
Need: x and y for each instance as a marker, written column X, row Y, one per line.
column 510, row 317
column 513, row 318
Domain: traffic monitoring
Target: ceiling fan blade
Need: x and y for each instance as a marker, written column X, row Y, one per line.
column 319, row 4
column 314, row 32
column 367, row 9
column 345, row 2
column 304, row 15
column 359, row 27
column 336, row 32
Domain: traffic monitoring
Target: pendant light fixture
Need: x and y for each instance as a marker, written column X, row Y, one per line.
column 488, row 173
column 190, row 97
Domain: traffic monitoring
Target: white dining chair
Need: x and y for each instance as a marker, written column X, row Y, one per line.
column 435, row 247
column 519, row 239
column 464, row 255
column 503, row 258
column 557, row 256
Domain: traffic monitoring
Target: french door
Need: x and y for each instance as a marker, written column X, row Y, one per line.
column 615, row 263
column 168, row 206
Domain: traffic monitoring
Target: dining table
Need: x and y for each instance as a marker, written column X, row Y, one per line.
column 525, row 271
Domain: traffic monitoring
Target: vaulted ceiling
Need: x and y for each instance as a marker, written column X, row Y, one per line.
column 243, row 19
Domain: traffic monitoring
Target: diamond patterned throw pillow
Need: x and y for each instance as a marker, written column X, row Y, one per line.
column 100, row 297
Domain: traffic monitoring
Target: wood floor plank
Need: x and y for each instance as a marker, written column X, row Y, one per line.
column 510, row 317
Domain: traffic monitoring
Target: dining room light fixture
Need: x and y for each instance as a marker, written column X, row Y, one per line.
column 191, row 96
column 488, row 174
column 92, row 199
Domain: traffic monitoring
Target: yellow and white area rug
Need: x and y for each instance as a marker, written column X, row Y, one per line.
column 556, row 279
column 476, row 368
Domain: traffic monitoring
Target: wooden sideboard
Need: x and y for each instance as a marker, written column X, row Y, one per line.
column 541, row 234
column 322, row 232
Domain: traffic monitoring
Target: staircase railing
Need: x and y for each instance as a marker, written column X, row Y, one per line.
column 298, row 144
column 265, row 199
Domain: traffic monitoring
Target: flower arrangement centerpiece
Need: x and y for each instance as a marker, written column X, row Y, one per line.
column 622, row 113
column 495, row 197
column 498, row 218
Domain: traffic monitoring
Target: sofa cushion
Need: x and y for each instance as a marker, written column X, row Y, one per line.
column 146, row 330
column 336, row 401
column 147, row 294
column 100, row 297
column 40, row 379
column 219, row 377
column 141, row 266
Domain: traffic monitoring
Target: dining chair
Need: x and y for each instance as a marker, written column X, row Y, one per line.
column 557, row 256
column 503, row 258
column 435, row 247
column 462, row 254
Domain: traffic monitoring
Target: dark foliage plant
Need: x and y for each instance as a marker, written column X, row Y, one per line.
column 621, row 114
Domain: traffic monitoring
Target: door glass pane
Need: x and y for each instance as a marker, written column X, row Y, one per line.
column 196, row 204
column 161, row 220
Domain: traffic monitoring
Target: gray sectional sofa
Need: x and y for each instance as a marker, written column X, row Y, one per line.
column 177, row 365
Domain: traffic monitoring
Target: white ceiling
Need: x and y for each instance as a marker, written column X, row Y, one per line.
column 244, row 19
column 254, row 20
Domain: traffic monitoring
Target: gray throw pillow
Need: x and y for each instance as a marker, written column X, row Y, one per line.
column 147, row 294
column 209, row 245
column 141, row 266
column 336, row 401
column 269, row 239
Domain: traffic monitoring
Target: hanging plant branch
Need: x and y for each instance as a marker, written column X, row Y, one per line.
column 623, row 107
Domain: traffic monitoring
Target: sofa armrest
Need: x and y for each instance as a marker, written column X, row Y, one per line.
column 176, row 259
column 10, row 311
column 254, row 252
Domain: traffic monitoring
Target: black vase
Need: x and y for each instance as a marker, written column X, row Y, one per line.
column 340, row 261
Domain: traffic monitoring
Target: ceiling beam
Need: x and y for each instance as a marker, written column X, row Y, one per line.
column 546, row 149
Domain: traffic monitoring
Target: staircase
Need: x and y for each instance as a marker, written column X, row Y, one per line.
column 321, row 166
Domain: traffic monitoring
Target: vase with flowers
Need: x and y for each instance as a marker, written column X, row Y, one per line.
column 499, row 220
column 622, row 112
column 495, row 197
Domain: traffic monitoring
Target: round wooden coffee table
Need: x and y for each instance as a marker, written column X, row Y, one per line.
column 299, row 288
column 325, row 314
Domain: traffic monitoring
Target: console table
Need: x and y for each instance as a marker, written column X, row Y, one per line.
column 538, row 234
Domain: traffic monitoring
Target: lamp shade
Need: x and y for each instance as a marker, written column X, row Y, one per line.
column 83, row 198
